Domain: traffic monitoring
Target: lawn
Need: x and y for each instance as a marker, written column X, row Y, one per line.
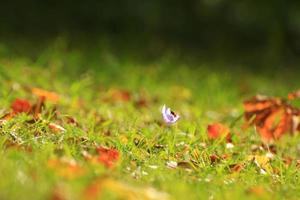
column 101, row 134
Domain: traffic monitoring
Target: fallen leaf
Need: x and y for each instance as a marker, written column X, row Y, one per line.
column 258, row 191
column 141, row 102
column 273, row 117
column 56, row 128
column 262, row 162
column 21, row 106
column 294, row 95
column 67, row 168
column 108, row 157
column 217, row 131
column 115, row 95
column 214, row 158
column 5, row 117
column 287, row 161
column 50, row 96
column 236, row 167
column 72, row 121
column 122, row 190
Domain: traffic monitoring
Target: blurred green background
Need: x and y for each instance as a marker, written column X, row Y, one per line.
column 253, row 33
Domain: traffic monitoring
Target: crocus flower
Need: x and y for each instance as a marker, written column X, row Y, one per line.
column 169, row 116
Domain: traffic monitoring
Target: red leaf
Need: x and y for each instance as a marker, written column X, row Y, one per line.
column 108, row 157
column 218, row 130
column 21, row 106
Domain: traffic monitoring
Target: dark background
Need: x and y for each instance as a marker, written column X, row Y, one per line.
column 252, row 32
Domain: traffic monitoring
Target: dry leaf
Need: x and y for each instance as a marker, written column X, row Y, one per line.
column 21, row 106
column 56, row 128
column 273, row 117
column 262, row 162
column 122, row 191
column 294, row 95
column 5, row 117
column 66, row 168
column 108, row 157
column 50, row 96
column 217, row 131
column 258, row 191
column 118, row 95
column 287, row 161
column 236, row 167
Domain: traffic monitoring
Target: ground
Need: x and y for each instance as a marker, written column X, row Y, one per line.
column 114, row 143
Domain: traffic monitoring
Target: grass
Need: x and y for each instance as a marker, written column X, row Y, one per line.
column 86, row 80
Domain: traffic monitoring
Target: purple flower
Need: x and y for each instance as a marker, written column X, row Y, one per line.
column 169, row 116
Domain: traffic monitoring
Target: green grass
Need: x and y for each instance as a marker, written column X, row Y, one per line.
column 200, row 93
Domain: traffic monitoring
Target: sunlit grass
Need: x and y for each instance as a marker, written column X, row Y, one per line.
column 85, row 84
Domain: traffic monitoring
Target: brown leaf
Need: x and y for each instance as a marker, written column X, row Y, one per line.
column 236, row 167
column 71, row 120
column 287, row 161
column 141, row 102
column 5, row 117
column 214, row 158
column 273, row 117
column 118, row 95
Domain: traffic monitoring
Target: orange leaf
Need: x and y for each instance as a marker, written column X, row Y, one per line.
column 218, row 130
column 273, row 117
column 66, row 168
column 294, row 95
column 258, row 191
column 93, row 190
column 108, row 157
column 51, row 96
